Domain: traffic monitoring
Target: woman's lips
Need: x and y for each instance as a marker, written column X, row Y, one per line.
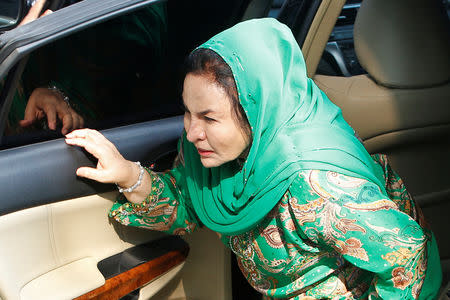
column 203, row 152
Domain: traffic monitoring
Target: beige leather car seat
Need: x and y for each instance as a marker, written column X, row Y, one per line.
column 402, row 106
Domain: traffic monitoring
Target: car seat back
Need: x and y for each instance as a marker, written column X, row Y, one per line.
column 401, row 107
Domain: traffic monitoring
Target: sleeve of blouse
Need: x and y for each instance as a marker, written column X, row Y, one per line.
column 354, row 218
column 167, row 208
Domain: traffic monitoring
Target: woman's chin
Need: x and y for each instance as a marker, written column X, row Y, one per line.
column 209, row 162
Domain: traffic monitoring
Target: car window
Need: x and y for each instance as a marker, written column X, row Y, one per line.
column 122, row 71
column 112, row 74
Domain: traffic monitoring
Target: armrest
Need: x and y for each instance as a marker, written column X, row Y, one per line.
column 137, row 266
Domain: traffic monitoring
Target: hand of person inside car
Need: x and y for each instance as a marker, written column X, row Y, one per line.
column 45, row 102
column 34, row 12
column 49, row 103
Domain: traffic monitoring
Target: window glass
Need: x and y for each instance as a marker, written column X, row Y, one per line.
column 123, row 71
column 109, row 75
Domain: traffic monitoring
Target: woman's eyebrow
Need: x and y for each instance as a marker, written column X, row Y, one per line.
column 205, row 112
column 202, row 113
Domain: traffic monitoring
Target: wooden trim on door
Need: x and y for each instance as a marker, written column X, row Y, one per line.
column 126, row 282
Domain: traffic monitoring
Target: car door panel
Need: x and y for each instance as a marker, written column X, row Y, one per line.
column 53, row 222
column 136, row 266
column 64, row 278
column 50, row 180
column 55, row 240
column 55, row 248
column 53, row 237
column 54, row 227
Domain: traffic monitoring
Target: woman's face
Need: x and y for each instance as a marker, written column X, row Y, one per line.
column 209, row 122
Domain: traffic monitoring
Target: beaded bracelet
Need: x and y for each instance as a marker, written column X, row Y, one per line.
column 55, row 89
column 138, row 183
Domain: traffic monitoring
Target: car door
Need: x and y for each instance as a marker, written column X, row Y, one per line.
column 56, row 239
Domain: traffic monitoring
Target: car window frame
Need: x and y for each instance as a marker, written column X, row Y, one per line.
column 18, row 43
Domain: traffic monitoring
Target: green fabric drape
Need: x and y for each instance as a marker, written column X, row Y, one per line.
column 294, row 127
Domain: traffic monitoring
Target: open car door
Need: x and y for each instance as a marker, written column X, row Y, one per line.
column 56, row 239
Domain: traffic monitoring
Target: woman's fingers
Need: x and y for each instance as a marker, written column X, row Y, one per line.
column 76, row 133
column 111, row 166
column 106, row 164
column 95, row 143
column 91, row 173
column 93, row 136
column 85, row 133
column 90, row 146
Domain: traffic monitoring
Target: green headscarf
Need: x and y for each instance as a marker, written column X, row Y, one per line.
column 294, row 127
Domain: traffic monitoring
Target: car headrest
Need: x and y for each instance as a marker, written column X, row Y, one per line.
column 403, row 43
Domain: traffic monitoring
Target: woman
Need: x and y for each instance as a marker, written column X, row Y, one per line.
column 268, row 162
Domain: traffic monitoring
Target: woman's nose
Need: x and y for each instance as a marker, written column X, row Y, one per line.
column 195, row 132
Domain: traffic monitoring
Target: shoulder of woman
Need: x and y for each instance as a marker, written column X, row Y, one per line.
column 313, row 184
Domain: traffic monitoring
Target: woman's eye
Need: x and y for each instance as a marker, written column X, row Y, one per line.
column 208, row 119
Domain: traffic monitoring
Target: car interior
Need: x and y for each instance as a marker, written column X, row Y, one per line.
column 399, row 103
column 384, row 63
column 400, row 107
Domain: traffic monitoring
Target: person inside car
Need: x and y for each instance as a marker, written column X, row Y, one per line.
column 267, row 161
column 43, row 102
column 68, row 85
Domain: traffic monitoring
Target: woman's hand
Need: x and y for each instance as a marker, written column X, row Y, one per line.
column 112, row 167
column 49, row 103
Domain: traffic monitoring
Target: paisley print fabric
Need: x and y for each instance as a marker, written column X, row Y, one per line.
column 330, row 237
column 164, row 209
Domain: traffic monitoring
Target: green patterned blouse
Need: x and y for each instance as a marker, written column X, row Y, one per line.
column 330, row 237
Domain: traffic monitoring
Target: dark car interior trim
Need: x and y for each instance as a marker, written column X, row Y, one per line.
column 137, row 255
column 51, row 180
column 7, row 94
